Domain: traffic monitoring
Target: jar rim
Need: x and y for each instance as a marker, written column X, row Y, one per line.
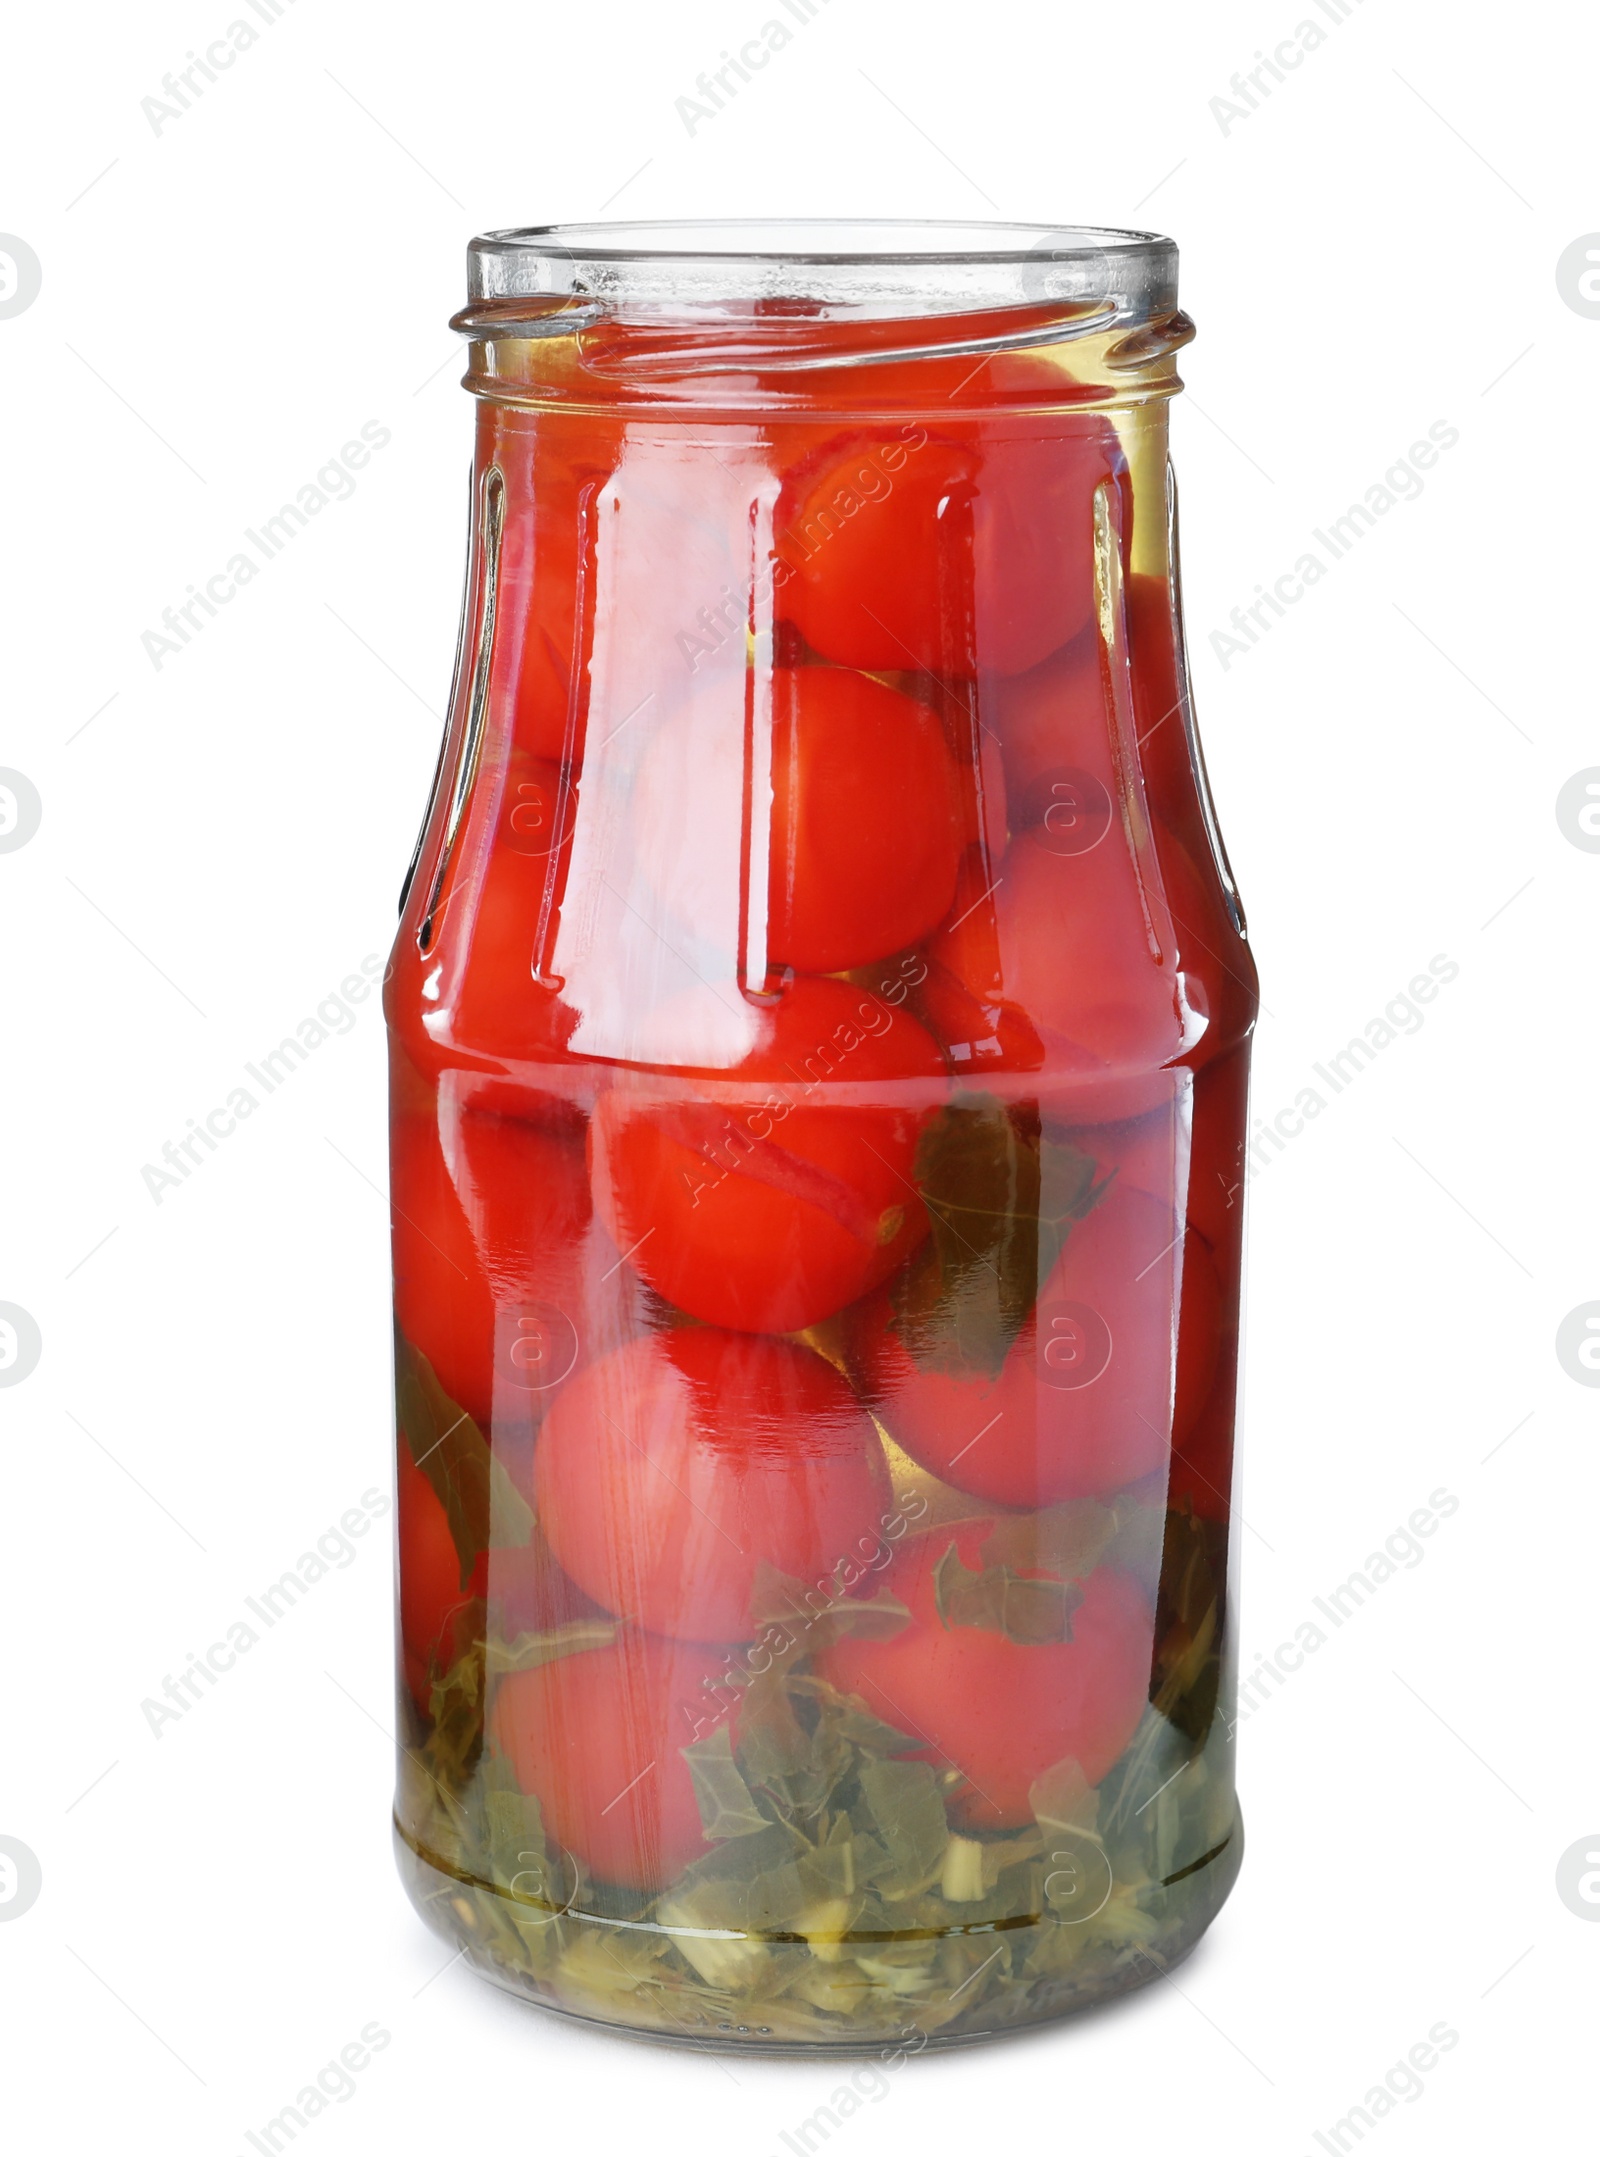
column 873, row 240
column 868, row 267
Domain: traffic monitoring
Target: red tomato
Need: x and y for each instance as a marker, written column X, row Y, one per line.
column 1083, row 1403
column 538, row 632
column 1047, row 962
column 866, row 830
column 1147, row 1150
column 434, row 1600
column 497, row 927
column 1009, row 973
column 528, row 1592
column 980, row 764
column 597, row 1737
column 475, row 989
column 976, row 1031
column 668, row 1474
column 1052, row 721
column 1000, row 1710
column 1142, row 1149
column 494, row 1231
column 766, row 1207
column 1062, row 939
column 544, row 607
column 941, row 553
column 864, row 822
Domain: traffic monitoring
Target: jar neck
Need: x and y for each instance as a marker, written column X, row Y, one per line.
column 742, row 359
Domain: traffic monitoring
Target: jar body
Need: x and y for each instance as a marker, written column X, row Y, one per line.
column 819, row 1024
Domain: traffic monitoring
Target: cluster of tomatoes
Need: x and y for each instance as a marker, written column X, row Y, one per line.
column 960, row 880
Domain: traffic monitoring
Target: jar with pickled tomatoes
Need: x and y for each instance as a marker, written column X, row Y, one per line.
column 819, row 1025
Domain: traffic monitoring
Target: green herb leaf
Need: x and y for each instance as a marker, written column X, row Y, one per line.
column 1062, row 1799
column 901, row 1809
column 830, row 1875
column 478, row 1496
column 529, row 1650
column 726, row 1806
column 1190, row 1603
column 511, row 1830
column 793, row 1619
column 747, row 1883
column 456, row 1705
column 1030, row 1612
column 1067, row 1541
column 852, row 1723
column 1001, row 1198
column 775, row 1750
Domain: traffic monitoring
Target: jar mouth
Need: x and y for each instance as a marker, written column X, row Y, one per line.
column 815, row 239
column 867, row 267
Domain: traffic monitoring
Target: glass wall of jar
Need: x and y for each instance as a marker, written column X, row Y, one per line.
column 819, row 1025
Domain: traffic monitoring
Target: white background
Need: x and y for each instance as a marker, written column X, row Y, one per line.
column 224, row 303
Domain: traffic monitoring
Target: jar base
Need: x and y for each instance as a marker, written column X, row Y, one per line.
column 567, row 1964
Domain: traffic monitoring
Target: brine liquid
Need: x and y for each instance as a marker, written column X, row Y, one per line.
column 819, row 1029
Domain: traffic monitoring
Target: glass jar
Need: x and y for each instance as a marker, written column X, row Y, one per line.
column 819, row 1024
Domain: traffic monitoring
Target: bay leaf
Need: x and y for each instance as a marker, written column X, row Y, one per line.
column 774, row 1748
column 901, row 1808
column 793, row 1619
column 531, row 1650
column 1001, row 1199
column 726, row 1805
column 854, row 1723
column 1062, row 1798
column 748, row 1883
column 480, row 1500
column 456, row 1705
column 1190, row 1612
column 829, row 1872
column 1067, row 1541
column 1032, row 1612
